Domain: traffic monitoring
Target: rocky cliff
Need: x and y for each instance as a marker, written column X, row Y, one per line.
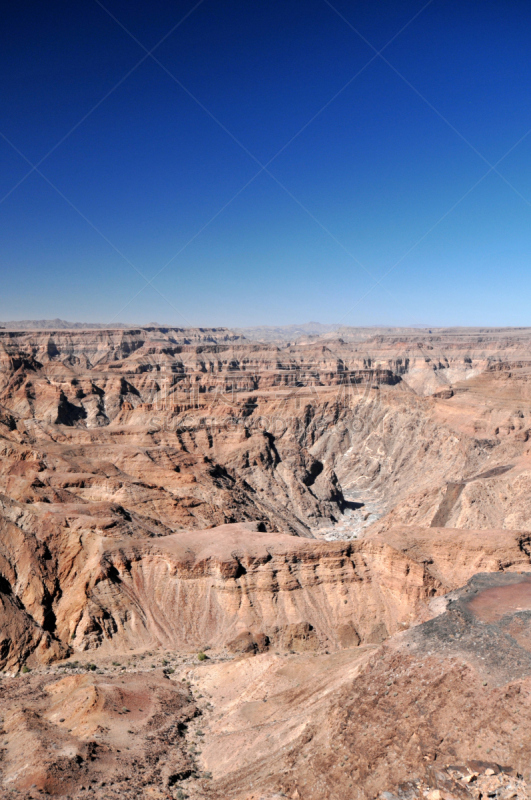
column 297, row 515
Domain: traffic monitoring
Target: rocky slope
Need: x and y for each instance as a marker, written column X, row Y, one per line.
column 166, row 491
column 227, row 431
column 442, row 707
column 100, row 442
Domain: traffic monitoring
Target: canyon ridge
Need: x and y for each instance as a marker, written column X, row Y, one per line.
column 263, row 564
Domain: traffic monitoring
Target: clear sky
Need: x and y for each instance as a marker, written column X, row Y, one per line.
column 266, row 162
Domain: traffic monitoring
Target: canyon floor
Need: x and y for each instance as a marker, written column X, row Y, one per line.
column 244, row 569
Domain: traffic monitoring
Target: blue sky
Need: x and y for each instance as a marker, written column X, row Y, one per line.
column 270, row 166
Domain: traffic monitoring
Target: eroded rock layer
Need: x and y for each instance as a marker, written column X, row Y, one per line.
column 237, row 565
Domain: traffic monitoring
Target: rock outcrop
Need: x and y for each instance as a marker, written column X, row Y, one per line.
column 286, row 529
column 74, row 583
column 443, row 707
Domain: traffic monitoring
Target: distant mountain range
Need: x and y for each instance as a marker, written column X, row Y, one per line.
column 316, row 330
column 285, row 333
column 280, row 334
column 258, row 333
column 57, row 324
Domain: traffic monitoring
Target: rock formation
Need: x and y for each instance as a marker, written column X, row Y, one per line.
column 258, row 570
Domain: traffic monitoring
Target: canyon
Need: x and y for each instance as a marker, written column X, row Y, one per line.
column 256, row 569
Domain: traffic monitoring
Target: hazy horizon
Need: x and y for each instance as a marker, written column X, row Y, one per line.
column 309, row 328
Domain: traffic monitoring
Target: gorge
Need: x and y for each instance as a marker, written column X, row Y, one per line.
column 265, row 569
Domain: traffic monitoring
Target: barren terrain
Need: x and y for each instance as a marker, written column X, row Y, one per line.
column 263, row 569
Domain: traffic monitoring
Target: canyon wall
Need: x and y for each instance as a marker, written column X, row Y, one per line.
column 117, row 444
